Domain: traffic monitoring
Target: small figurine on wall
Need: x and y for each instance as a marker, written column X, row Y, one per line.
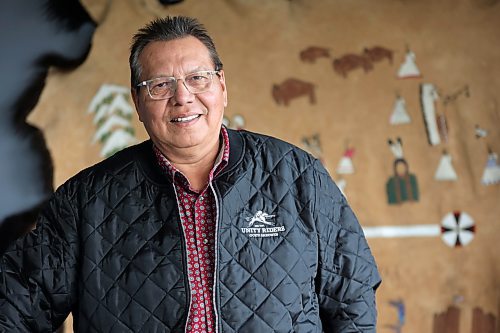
column 292, row 88
column 402, row 186
column 399, row 115
column 408, row 68
column 378, row 53
column 349, row 62
column 445, row 170
column 345, row 165
column 314, row 52
column 480, row 132
column 491, row 172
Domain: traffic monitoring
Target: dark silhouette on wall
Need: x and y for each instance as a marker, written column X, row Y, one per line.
column 36, row 34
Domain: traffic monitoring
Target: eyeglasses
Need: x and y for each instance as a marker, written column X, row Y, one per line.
column 165, row 87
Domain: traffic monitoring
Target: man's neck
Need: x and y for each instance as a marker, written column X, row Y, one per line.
column 194, row 163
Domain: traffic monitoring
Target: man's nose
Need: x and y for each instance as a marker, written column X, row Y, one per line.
column 182, row 94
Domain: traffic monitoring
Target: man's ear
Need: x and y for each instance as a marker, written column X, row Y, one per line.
column 135, row 97
column 222, row 79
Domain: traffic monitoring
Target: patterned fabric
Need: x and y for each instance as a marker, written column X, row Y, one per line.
column 198, row 213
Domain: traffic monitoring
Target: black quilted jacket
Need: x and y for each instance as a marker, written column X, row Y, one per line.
column 290, row 254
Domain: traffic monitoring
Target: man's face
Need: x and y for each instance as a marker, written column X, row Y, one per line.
column 184, row 120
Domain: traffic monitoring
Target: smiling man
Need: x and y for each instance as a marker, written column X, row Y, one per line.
column 199, row 229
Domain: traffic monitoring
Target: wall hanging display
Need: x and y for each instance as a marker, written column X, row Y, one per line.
column 113, row 119
column 491, row 172
column 312, row 53
column 456, row 229
column 408, row 68
column 428, row 98
column 292, row 88
column 445, row 170
column 399, row 114
column 402, row 186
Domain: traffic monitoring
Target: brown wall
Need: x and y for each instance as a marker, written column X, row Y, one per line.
column 456, row 42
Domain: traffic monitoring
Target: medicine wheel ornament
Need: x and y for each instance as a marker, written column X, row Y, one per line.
column 457, row 229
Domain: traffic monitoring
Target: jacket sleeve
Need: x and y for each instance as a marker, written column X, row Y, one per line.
column 37, row 272
column 347, row 275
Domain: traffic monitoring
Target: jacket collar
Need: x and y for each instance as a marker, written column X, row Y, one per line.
column 147, row 160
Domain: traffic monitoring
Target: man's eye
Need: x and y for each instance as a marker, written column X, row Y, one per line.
column 162, row 85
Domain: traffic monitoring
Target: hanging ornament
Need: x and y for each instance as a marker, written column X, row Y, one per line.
column 491, row 173
column 408, row 68
column 428, row 97
column 457, row 229
column 402, row 186
column 345, row 165
column 399, row 115
column 480, row 132
column 445, row 170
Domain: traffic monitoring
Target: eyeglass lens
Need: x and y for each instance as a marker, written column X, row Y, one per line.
column 165, row 87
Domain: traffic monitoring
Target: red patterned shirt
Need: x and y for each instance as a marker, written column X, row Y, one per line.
column 198, row 218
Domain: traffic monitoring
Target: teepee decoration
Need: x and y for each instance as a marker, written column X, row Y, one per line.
column 113, row 119
column 399, row 115
column 428, row 98
column 345, row 166
column 445, row 170
column 491, row 173
column 408, row 68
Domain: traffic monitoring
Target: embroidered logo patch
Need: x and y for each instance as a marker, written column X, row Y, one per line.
column 262, row 224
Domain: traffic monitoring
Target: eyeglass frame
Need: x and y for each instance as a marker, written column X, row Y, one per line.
column 146, row 82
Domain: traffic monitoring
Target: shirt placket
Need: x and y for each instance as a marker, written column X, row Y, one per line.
column 196, row 217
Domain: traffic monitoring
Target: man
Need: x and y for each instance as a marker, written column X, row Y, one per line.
column 200, row 229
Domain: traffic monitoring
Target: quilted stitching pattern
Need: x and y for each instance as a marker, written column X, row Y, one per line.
column 118, row 252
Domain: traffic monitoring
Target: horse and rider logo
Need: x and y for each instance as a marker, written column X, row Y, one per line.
column 262, row 224
column 260, row 217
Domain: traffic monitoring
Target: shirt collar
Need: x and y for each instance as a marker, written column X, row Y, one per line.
column 221, row 160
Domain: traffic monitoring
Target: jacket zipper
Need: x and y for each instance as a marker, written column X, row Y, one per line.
column 188, row 291
column 216, row 258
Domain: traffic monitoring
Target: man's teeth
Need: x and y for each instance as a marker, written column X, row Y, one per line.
column 179, row 120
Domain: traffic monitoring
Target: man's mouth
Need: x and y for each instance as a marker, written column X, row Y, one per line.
column 185, row 119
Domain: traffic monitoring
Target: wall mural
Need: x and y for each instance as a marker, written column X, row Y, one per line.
column 112, row 118
column 39, row 34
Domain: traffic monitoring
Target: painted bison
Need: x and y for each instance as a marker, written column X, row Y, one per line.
column 293, row 88
column 312, row 53
column 378, row 53
column 349, row 62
